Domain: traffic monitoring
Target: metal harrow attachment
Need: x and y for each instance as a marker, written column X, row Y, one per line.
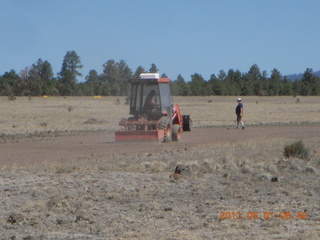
column 139, row 130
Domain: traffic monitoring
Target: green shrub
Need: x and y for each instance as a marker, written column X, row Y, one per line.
column 296, row 149
column 11, row 97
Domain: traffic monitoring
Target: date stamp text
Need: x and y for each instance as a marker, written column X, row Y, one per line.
column 263, row 215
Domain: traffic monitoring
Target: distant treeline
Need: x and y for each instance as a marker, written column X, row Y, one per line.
column 39, row 80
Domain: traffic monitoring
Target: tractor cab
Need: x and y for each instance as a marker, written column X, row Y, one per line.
column 150, row 97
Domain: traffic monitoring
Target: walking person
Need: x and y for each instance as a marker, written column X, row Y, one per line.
column 239, row 113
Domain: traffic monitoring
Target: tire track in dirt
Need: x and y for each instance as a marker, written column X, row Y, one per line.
column 99, row 145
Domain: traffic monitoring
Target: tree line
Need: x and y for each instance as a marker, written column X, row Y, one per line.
column 39, row 80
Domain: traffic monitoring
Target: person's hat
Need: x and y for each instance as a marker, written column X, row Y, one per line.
column 239, row 99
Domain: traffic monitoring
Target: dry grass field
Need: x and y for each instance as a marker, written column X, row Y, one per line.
column 241, row 187
column 58, row 114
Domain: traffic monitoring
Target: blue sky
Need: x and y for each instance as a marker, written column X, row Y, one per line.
column 179, row 36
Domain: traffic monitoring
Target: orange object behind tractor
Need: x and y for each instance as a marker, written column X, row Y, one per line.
column 155, row 118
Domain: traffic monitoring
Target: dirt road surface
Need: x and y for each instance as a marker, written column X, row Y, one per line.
column 99, row 145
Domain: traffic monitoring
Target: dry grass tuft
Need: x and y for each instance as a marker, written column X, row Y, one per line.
column 296, row 149
column 70, row 108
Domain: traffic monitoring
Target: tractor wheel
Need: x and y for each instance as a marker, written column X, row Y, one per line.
column 176, row 132
column 165, row 124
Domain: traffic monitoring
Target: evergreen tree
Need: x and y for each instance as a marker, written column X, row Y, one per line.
column 286, row 87
column 41, row 79
column 316, row 88
column 180, row 87
column 198, row 85
column 296, row 87
column 216, row 86
column 233, row 82
column 138, row 71
column 9, row 84
column 153, row 68
column 247, row 85
column 275, row 83
column 112, row 76
column 163, row 75
column 68, row 75
column 93, row 84
column 24, row 83
column 309, row 83
column 255, row 73
column 125, row 74
column 261, row 86
column 249, row 80
column 222, row 75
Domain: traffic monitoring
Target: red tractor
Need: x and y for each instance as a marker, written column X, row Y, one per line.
column 155, row 118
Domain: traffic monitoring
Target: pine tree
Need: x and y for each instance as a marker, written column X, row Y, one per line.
column 68, row 74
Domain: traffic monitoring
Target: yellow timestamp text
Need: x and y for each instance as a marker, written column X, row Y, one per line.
column 263, row 215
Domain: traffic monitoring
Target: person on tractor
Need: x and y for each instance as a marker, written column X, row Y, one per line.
column 149, row 102
column 151, row 108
